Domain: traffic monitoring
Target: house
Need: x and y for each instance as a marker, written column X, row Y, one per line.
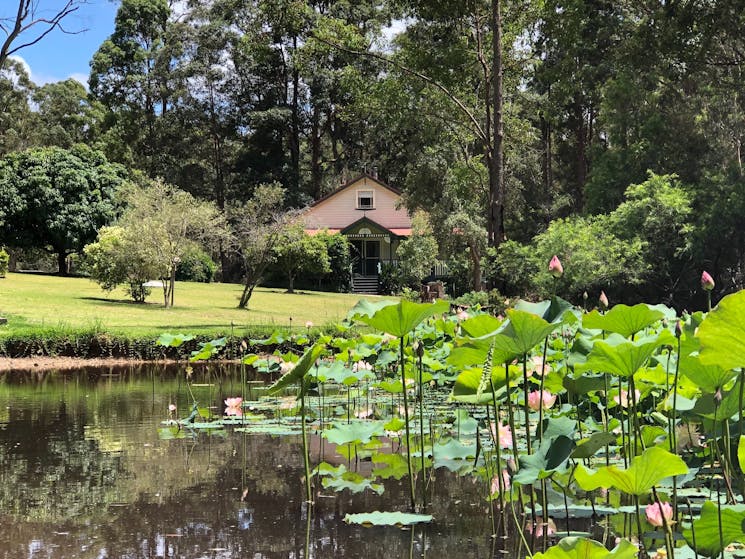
column 367, row 212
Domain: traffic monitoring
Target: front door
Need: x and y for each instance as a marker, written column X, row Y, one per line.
column 365, row 257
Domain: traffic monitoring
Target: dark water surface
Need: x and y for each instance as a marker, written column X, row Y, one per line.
column 83, row 473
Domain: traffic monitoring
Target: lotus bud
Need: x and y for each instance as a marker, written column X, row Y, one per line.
column 658, row 514
column 707, row 282
column 603, row 299
column 678, row 329
column 555, row 268
column 585, row 296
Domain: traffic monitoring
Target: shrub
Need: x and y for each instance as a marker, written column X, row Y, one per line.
column 114, row 260
column 196, row 265
column 4, row 261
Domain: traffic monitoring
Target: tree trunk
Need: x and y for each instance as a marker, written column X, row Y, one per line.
column 476, row 275
column 291, row 281
column 172, row 283
column 62, row 263
column 295, row 126
column 315, row 154
column 495, row 215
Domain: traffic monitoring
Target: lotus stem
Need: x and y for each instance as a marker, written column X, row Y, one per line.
column 306, row 458
column 412, row 493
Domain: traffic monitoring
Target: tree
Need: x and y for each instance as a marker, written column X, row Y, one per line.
column 297, row 252
column 66, row 115
column 16, row 119
column 418, row 253
column 115, row 259
column 28, row 25
column 257, row 227
column 166, row 223
column 62, row 198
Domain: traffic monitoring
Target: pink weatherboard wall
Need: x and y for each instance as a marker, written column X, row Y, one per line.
column 339, row 209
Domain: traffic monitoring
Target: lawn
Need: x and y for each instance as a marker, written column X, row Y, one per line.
column 34, row 303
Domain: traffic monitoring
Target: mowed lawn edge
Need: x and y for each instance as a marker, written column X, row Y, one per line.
column 35, row 303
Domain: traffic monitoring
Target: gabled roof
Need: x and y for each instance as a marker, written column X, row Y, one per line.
column 396, row 232
column 353, row 181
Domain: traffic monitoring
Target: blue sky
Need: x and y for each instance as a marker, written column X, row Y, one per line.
column 59, row 56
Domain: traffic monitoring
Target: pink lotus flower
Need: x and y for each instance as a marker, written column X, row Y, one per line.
column 309, row 324
column 536, row 399
column 234, row 406
column 622, row 399
column 555, row 268
column 547, row 526
column 171, row 408
column 659, row 513
column 462, row 315
column 539, row 366
column 505, row 482
column 502, row 434
column 707, row 282
column 603, row 299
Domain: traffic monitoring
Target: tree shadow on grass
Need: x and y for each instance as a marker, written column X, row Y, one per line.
column 130, row 302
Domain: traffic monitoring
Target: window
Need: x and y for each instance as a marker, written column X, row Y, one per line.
column 365, row 200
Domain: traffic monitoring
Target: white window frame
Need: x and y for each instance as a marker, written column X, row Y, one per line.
column 362, row 193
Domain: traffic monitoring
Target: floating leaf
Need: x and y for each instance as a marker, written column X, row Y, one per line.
column 646, row 471
column 353, row 432
column 353, row 482
column 387, row 518
column 722, row 333
column 583, row 548
column 709, row 541
column 207, row 350
column 623, row 320
column 454, row 450
column 393, row 466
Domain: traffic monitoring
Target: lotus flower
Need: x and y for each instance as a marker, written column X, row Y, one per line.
column 707, row 282
column 462, row 315
column 659, row 513
column 309, row 324
column 622, row 399
column 503, row 435
column 505, row 482
column 536, row 399
column 171, row 408
column 547, row 526
column 234, row 406
column 555, row 268
column 603, row 299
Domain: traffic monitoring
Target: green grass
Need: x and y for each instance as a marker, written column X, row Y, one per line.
column 36, row 304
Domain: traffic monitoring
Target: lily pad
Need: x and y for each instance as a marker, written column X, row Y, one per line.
column 378, row 518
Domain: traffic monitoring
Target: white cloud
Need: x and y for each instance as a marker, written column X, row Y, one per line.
column 41, row 79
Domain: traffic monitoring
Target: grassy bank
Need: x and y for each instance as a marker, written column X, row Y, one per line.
column 67, row 311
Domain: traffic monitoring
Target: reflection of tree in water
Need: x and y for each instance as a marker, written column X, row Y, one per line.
column 83, row 474
column 45, row 458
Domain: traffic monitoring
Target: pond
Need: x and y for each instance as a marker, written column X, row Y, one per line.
column 85, row 472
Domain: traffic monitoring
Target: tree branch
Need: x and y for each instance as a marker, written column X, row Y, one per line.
column 483, row 136
column 26, row 19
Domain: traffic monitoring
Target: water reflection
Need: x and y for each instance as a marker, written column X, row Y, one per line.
column 84, row 474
